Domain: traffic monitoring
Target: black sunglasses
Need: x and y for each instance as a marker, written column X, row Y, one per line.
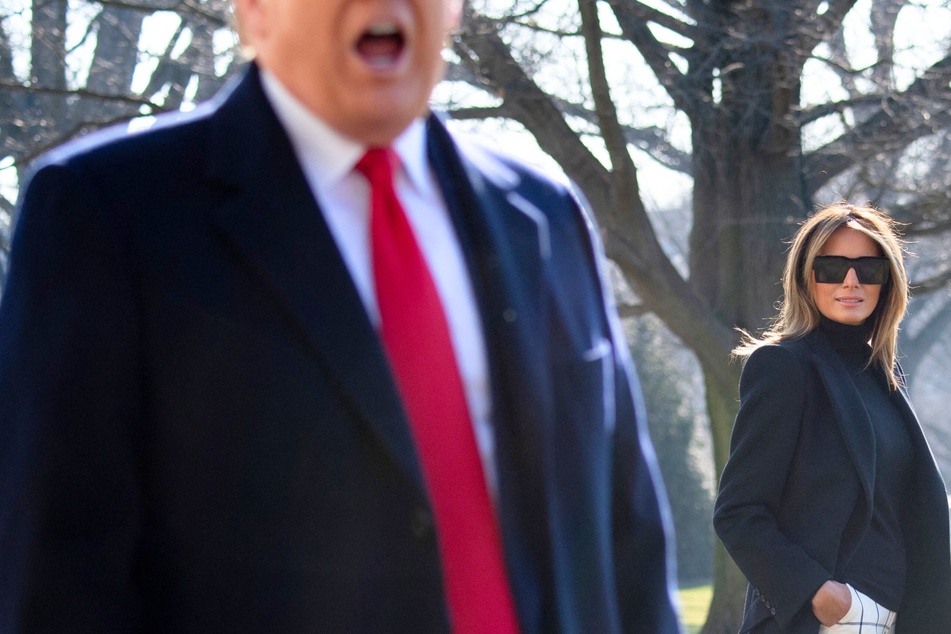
column 832, row 269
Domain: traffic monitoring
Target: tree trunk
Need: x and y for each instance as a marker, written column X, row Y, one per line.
column 729, row 585
column 747, row 199
column 743, row 216
column 48, row 44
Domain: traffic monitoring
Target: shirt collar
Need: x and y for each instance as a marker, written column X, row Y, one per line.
column 329, row 155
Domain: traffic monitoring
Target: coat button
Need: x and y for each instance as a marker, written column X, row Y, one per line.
column 421, row 523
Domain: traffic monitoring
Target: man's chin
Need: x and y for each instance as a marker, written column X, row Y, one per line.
column 379, row 126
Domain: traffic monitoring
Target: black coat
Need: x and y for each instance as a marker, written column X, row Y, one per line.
column 796, row 494
column 199, row 431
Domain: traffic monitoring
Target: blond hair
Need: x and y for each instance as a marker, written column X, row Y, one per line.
column 798, row 313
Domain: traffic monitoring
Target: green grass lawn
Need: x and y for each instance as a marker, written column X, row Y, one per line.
column 694, row 603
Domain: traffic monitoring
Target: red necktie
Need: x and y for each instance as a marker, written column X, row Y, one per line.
column 416, row 338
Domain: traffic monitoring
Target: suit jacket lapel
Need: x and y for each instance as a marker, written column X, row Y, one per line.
column 505, row 249
column 504, row 240
column 273, row 223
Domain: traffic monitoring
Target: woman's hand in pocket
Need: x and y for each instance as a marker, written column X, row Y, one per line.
column 831, row 603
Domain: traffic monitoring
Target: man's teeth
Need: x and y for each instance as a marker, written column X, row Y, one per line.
column 383, row 29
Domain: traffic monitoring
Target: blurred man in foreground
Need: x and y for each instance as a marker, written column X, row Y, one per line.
column 302, row 362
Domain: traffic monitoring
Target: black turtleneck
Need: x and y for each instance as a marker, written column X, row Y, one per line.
column 878, row 567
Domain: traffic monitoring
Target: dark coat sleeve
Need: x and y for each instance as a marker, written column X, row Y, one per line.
column 643, row 543
column 69, row 496
column 608, row 520
column 763, row 448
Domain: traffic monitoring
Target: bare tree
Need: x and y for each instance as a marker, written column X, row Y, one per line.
column 70, row 67
column 760, row 153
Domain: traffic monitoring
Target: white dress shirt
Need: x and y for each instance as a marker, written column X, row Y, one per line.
column 343, row 195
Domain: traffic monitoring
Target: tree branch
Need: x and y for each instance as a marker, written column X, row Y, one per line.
column 926, row 215
column 646, row 14
column 624, row 173
column 818, row 29
column 6, row 58
column 933, row 283
column 220, row 16
column 633, row 17
column 630, row 237
column 80, row 92
column 920, row 110
column 490, row 60
column 652, row 140
column 814, row 113
column 630, row 311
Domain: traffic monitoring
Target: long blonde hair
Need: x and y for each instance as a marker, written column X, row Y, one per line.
column 798, row 313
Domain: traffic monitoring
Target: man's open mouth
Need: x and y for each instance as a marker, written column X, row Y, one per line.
column 381, row 45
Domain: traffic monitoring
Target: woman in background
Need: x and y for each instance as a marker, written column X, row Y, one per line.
column 831, row 503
